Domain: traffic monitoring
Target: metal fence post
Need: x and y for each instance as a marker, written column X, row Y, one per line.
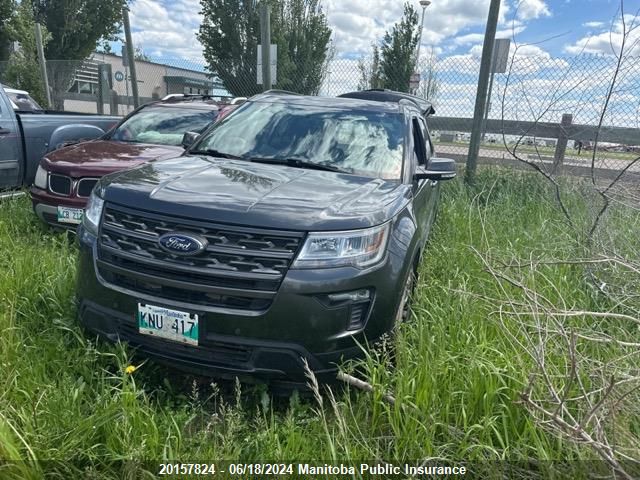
column 131, row 56
column 265, row 34
column 481, row 95
column 563, row 137
column 104, row 85
column 113, row 102
column 43, row 64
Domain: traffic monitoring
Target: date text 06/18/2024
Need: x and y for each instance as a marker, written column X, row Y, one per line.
column 283, row 469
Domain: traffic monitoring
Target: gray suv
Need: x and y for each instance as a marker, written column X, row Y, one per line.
column 291, row 229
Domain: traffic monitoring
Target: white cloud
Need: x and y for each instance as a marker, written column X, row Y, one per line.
column 167, row 30
column 472, row 38
column 358, row 23
column 609, row 40
column 532, row 9
column 593, row 24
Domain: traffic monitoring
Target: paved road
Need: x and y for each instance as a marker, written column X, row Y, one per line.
column 570, row 160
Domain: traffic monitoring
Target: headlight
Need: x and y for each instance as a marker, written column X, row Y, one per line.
column 357, row 248
column 92, row 214
column 41, row 178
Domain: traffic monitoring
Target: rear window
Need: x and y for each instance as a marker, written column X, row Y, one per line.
column 23, row 102
column 163, row 125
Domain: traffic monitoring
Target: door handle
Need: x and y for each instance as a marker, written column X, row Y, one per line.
column 4, row 131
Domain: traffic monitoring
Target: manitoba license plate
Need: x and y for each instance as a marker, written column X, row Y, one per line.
column 70, row 215
column 169, row 324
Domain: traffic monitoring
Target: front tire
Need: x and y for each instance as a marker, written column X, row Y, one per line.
column 403, row 313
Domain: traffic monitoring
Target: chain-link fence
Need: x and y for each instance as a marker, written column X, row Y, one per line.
column 526, row 108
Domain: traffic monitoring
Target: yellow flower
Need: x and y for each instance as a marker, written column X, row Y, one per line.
column 130, row 369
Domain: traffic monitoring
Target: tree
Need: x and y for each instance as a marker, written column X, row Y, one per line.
column 303, row 41
column 230, row 34
column 393, row 62
column 22, row 70
column 369, row 70
column 139, row 54
column 429, row 84
column 7, row 7
column 76, row 27
column 398, row 51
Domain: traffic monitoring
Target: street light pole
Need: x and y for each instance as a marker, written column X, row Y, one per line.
column 424, row 4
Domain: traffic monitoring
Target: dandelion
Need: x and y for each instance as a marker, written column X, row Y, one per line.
column 130, row 369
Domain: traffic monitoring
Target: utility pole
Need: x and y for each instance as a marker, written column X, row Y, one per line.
column 481, row 95
column 265, row 38
column 43, row 64
column 130, row 54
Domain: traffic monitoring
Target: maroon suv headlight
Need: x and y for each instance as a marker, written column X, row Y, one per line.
column 41, row 178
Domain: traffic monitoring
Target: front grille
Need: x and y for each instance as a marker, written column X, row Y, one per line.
column 241, row 268
column 85, row 186
column 60, row 184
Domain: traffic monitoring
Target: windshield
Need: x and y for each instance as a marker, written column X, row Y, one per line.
column 363, row 142
column 163, row 125
column 23, row 102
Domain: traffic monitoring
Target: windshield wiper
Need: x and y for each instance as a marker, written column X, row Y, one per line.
column 214, row 153
column 299, row 163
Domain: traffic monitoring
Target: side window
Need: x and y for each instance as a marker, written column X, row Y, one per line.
column 428, row 145
column 419, row 144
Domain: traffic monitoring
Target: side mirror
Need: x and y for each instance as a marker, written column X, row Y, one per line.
column 189, row 139
column 439, row 169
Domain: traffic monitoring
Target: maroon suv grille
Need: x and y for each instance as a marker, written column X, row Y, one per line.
column 85, row 186
column 241, row 268
column 60, row 184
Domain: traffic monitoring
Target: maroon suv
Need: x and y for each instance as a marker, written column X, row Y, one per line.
column 66, row 176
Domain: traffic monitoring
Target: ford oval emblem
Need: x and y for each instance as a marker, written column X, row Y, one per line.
column 182, row 243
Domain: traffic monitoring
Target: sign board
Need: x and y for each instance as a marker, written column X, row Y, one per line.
column 119, row 76
column 274, row 64
column 414, row 81
column 500, row 55
column 125, row 57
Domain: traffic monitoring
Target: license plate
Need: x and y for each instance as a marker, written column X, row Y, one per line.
column 70, row 215
column 168, row 324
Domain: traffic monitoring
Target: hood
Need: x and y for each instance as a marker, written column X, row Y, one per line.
column 100, row 157
column 254, row 194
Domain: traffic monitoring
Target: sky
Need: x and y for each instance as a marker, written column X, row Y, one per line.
column 547, row 78
column 167, row 28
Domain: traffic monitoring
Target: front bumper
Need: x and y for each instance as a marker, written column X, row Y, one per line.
column 270, row 345
column 45, row 205
column 220, row 355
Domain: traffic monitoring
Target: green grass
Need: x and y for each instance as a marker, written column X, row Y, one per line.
column 68, row 409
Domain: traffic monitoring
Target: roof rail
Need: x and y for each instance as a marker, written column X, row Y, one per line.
column 386, row 95
column 177, row 97
column 285, row 92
